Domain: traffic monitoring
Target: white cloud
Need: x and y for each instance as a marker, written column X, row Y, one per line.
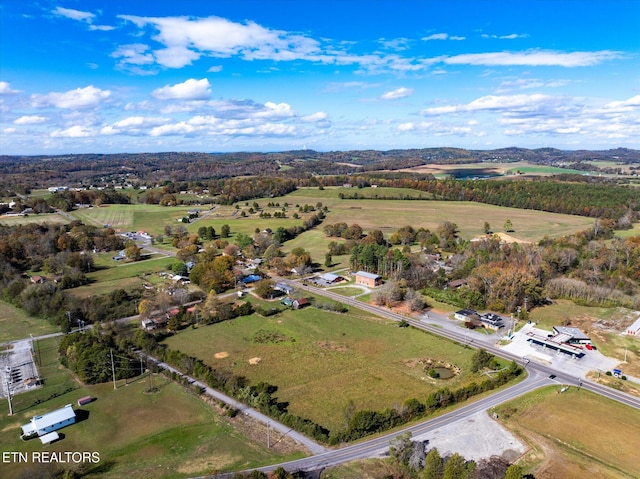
column 397, row 44
column 80, row 16
column 215, row 69
column 134, row 54
column 335, row 87
column 102, row 28
column 76, row 131
column 138, row 121
column 511, row 36
column 440, row 129
column 273, row 110
column 5, row 89
column 443, row 36
column 397, row 93
column 545, row 115
column 533, row 58
column 29, row 120
column 315, row 117
column 79, row 98
column 186, row 39
column 436, row 36
column 9, row 131
column 180, row 128
column 495, row 102
column 109, row 130
column 132, row 125
column 529, row 83
column 632, row 104
column 74, row 14
column 191, row 89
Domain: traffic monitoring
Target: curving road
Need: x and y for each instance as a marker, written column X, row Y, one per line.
column 538, row 375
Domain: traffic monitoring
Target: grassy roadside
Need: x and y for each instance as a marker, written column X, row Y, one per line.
column 168, row 434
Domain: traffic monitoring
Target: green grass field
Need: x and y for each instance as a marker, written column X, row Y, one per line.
column 15, row 323
column 171, row 434
column 325, row 359
column 113, row 275
column 149, row 218
column 389, row 215
column 575, row 434
column 42, row 218
column 563, row 310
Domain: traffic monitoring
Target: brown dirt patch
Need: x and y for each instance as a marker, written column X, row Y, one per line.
column 210, row 463
column 256, row 432
column 221, row 355
column 254, row 361
column 504, row 237
column 332, row 346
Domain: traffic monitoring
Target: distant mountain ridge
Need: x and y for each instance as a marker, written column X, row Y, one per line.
column 121, row 168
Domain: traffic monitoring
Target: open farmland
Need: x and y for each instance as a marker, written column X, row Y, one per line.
column 150, row 218
column 389, row 215
column 39, row 218
column 123, row 426
column 491, row 169
column 113, row 275
column 15, row 323
column 320, row 360
column 575, row 434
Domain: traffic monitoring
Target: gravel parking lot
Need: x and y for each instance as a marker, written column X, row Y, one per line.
column 475, row 437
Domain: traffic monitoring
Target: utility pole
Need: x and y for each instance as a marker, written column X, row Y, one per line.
column 113, row 369
column 6, row 379
column 268, row 435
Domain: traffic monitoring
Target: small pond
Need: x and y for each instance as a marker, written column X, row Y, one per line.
column 444, row 373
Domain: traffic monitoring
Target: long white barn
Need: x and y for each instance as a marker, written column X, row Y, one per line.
column 49, row 422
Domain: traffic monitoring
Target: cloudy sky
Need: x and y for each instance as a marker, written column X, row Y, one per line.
column 271, row 75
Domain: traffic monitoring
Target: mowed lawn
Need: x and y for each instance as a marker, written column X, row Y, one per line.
column 171, row 433
column 120, row 275
column 15, row 323
column 149, row 218
column 325, row 359
column 575, row 434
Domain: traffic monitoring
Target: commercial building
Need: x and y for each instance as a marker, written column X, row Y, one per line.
column 368, row 279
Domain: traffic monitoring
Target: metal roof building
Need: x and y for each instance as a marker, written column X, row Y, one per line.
column 49, row 422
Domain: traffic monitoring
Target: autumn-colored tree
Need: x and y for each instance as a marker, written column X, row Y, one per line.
column 263, row 288
column 132, row 251
column 145, row 308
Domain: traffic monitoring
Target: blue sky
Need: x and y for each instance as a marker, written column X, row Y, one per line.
column 271, row 75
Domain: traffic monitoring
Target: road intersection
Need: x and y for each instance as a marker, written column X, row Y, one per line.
column 538, row 375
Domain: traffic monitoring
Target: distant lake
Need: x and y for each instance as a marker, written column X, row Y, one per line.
column 473, row 173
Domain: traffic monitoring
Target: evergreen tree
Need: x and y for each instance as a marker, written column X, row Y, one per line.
column 514, row 472
column 432, row 465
